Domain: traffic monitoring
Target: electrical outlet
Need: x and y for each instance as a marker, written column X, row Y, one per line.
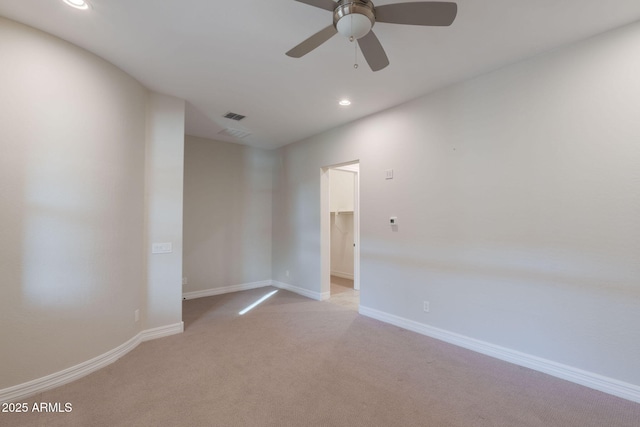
column 286, row 273
column 185, row 281
column 136, row 315
column 425, row 306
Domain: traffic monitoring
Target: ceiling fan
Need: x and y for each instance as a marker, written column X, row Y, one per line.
column 355, row 18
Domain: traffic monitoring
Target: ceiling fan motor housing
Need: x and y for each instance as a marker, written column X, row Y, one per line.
column 354, row 18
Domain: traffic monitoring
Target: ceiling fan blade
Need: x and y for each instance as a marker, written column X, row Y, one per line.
column 322, row 4
column 373, row 52
column 312, row 42
column 432, row 13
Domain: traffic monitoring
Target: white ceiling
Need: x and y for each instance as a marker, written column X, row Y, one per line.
column 225, row 56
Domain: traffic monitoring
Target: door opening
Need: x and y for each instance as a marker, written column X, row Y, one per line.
column 340, row 233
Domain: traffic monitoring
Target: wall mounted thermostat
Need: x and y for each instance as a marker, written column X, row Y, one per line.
column 393, row 220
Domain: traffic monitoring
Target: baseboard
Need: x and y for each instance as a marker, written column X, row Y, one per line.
column 254, row 285
column 226, row 290
column 300, row 291
column 342, row 275
column 588, row 379
column 83, row 369
column 161, row 332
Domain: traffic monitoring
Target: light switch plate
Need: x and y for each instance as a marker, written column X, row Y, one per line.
column 161, row 248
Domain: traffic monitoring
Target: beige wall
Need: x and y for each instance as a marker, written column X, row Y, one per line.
column 90, row 175
column 72, row 164
column 227, row 214
column 518, row 197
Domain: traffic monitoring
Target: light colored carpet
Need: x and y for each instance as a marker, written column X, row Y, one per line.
column 297, row 362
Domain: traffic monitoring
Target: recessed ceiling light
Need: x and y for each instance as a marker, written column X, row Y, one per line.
column 344, row 102
column 78, row 4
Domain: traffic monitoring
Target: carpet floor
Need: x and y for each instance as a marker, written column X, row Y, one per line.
column 292, row 361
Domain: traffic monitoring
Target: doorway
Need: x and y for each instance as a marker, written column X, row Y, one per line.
column 340, row 228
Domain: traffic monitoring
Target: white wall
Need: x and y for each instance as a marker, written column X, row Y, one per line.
column 518, row 198
column 164, row 201
column 342, row 190
column 342, row 240
column 227, row 214
column 72, row 150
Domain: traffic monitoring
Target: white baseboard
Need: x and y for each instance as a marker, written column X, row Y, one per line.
column 301, row 291
column 226, row 289
column 73, row 373
column 246, row 286
column 588, row 379
column 161, row 332
column 342, row 275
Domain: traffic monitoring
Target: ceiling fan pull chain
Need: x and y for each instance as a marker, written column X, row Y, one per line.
column 355, row 56
column 355, row 46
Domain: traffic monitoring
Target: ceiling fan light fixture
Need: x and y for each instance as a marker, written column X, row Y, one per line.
column 354, row 18
column 354, row 26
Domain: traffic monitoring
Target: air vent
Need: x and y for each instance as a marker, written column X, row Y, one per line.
column 234, row 116
column 234, row 133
